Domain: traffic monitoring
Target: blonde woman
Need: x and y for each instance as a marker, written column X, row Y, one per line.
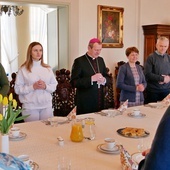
column 34, row 84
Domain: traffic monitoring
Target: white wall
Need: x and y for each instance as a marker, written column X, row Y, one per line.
column 152, row 12
column 88, row 28
column 23, row 41
column 155, row 12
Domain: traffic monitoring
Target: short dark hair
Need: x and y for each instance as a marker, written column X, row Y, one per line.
column 131, row 49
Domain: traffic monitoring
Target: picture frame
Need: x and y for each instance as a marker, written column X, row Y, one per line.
column 110, row 26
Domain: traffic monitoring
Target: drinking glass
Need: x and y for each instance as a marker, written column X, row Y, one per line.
column 89, row 128
column 143, row 145
column 140, row 145
column 64, row 164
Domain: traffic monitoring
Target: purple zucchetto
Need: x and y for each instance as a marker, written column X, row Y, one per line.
column 94, row 40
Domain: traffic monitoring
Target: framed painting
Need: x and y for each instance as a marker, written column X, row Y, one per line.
column 110, row 26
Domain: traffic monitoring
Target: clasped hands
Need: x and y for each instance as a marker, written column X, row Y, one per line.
column 98, row 77
column 39, row 85
column 166, row 79
column 140, row 87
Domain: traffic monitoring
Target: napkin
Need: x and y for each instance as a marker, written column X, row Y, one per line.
column 124, row 106
column 126, row 160
column 72, row 114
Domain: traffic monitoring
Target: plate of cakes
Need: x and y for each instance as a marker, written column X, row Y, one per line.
column 132, row 132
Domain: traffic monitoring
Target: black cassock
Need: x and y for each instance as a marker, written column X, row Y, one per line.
column 89, row 96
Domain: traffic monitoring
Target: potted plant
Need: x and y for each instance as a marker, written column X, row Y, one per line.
column 7, row 118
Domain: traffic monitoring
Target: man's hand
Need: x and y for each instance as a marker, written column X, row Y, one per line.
column 98, row 77
column 166, row 79
column 144, row 153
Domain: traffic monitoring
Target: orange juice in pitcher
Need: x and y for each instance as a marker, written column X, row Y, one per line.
column 76, row 131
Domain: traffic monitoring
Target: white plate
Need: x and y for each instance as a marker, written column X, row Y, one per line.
column 99, row 148
column 136, row 116
column 153, row 104
column 157, row 105
column 62, row 119
column 17, row 138
column 115, row 148
column 110, row 112
column 137, row 157
column 58, row 119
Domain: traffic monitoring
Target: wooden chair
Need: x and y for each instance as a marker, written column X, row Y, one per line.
column 109, row 93
column 117, row 103
column 15, row 96
column 64, row 96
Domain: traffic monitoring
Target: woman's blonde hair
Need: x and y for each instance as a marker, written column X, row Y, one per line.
column 29, row 61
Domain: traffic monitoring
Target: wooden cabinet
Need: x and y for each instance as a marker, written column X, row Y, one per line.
column 151, row 33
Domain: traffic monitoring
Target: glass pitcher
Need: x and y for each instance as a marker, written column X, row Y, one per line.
column 76, row 131
column 89, row 128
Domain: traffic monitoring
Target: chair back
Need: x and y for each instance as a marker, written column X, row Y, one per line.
column 109, row 92
column 64, row 96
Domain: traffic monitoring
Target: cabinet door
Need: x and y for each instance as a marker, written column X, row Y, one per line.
column 149, row 45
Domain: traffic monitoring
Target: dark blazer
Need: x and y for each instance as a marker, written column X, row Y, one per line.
column 126, row 83
column 4, row 83
column 159, row 156
column 86, row 93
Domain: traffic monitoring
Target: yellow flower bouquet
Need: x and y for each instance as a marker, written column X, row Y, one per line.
column 10, row 113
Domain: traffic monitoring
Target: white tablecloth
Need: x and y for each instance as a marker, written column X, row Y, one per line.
column 42, row 146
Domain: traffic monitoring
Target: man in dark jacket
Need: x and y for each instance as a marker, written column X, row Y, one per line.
column 88, row 76
column 157, row 72
column 159, row 156
column 4, row 83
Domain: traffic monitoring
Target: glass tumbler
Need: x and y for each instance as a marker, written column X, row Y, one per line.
column 89, row 128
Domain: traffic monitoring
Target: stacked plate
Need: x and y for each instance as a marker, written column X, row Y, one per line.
column 157, row 105
column 141, row 115
column 54, row 121
column 17, row 138
column 114, row 150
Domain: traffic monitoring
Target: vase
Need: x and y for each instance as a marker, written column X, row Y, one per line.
column 5, row 143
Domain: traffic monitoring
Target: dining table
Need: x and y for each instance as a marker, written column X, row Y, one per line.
column 42, row 146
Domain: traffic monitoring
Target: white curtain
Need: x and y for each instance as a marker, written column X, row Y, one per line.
column 9, row 48
column 38, row 27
